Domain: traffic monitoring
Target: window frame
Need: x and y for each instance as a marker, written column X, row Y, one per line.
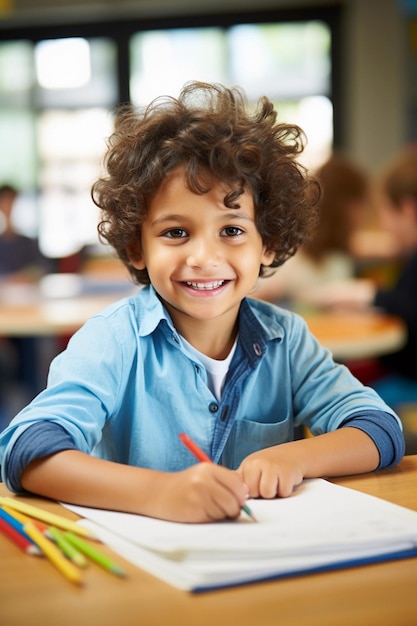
column 121, row 30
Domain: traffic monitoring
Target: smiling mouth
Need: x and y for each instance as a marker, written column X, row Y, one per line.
column 208, row 286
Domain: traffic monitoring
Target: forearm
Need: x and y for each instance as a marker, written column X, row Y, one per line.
column 341, row 452
column 75, row 477
column 201, row 493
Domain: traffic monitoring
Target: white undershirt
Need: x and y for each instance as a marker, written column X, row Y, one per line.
column 216, row 369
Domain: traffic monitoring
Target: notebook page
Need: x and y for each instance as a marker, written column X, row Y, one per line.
column 319, row 517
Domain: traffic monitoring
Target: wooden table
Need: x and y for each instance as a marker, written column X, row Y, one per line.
column 50, row 318
column 357, row 335
column 71, row 299
column 33, row 593
column 58, row 306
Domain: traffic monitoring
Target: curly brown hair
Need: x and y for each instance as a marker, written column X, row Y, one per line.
column 210, row 131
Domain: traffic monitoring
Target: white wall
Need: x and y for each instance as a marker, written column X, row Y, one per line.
column 375, row 90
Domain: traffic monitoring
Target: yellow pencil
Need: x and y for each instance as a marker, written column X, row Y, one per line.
column 45, row 516
column 70, row 571
column 24, row 519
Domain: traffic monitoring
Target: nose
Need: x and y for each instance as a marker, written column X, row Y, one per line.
column 203, row 252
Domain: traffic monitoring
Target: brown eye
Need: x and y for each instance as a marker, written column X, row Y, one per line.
column 232, row 231
column 175, row 233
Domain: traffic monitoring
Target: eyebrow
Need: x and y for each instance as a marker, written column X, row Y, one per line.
column 172, row 217
column 175, row 217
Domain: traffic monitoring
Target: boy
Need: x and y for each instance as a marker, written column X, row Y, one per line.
column 200, row 197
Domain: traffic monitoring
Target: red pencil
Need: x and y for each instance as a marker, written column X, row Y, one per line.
column 200, row 455
column 18, row 539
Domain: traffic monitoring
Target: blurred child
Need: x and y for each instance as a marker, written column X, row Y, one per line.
column 327, row 255
column 202, row 194
column 397, row 183
column 20, row 257
column 22, row 262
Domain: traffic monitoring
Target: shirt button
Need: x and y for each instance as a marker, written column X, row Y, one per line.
column 213, row 407
column 223, row 416
column 257, row 349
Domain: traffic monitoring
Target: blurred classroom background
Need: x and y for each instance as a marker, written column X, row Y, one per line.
column 344, row 70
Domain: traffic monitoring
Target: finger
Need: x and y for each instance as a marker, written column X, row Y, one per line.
column 219, row 508
column 268, row 484
column 251, row 475
column 230, row 495
column 220, row 491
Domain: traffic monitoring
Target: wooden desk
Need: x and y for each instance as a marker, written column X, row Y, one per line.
column 32, row 592
column 357, row 335
column 58, row 306
column 50, row 318
column 29, row 312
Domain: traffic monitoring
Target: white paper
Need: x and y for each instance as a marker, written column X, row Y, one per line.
column 320, row 524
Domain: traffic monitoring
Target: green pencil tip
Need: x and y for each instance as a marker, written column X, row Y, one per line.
column 118, row 571
column 249, row 512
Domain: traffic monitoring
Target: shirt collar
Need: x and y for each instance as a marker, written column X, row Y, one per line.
column 258, row 324
column 150, row 311
column 258, row 321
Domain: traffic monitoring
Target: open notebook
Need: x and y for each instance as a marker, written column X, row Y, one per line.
column 320, row 526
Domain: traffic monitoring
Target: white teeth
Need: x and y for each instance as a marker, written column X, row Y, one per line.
column 205, row 286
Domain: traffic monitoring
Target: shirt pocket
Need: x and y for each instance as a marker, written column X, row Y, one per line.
column 248, row 436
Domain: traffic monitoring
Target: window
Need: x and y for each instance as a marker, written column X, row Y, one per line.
column 288, row 62
column 163, row 60
column 55, row 114
column 58, row 93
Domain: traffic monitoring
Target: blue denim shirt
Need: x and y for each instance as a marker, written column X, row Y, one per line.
column 125, row 388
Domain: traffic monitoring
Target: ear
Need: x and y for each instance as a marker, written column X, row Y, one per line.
column 136, row 258
column 267, row 257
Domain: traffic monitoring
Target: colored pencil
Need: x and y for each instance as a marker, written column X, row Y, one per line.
column 19, row 539
column 95, row 555
column 45, row 516
column 49, row 549
column 17, row 525
column 200, row 455
column 66, row 547
column 24, row 519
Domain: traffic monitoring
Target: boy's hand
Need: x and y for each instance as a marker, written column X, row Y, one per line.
column 204, row 492
column 271, row 472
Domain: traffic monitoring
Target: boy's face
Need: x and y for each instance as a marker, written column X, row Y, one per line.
column 202, row 257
